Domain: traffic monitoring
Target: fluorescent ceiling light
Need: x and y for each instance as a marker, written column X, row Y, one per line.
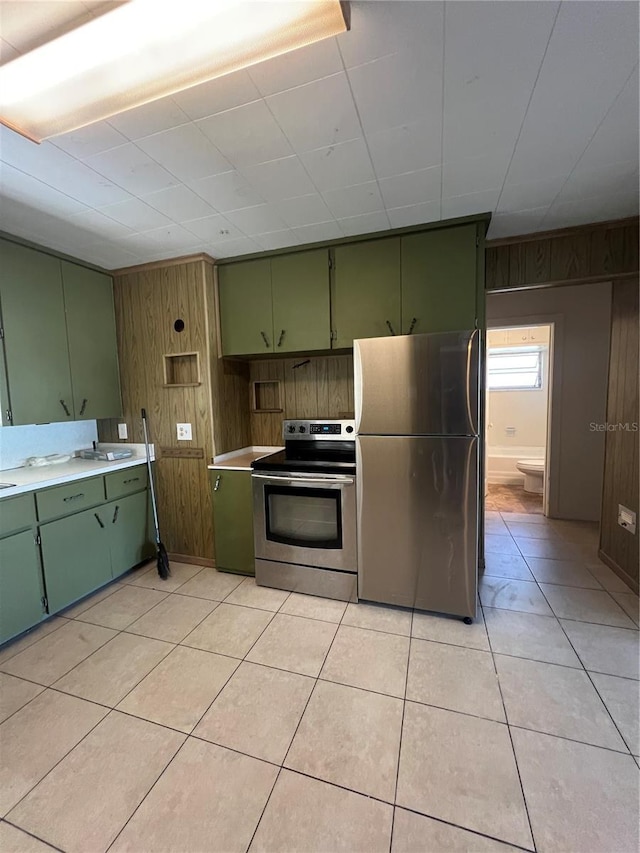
column 147, row 49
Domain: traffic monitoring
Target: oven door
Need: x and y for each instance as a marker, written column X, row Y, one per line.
column 305, row 519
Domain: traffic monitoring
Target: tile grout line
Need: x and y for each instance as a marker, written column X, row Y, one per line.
column 584, row 669
column 31, row 834
column 304, row 710
column 404, row 705
column 513, row 748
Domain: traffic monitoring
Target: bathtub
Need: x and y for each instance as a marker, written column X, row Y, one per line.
column 501, row 462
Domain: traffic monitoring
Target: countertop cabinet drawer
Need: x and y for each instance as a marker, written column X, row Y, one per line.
column 71, row 498
column 126, row 482
column 16, row 514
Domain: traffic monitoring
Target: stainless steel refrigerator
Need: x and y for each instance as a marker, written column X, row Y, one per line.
column 416, row 401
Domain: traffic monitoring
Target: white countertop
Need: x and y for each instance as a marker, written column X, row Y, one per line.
column 31, row 479
column 240, row 460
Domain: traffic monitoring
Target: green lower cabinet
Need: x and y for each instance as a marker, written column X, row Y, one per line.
column 233, row 521
column 76, row 556
column 21, row 588
column 439, row 270
column 366, row 298
column 129, row 538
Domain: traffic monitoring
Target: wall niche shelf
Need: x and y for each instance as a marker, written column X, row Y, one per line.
column 266, row 396
column 182, row 370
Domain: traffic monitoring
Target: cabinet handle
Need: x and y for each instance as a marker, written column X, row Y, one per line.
column 98, row 519
column 265, row 339
column 217, row 485
column 281, row 338
column 130, row 480
column 73, row 497
column 390, row 327
column 83, row 406
column 115, row 514
column 66, row 410
column 413, row 325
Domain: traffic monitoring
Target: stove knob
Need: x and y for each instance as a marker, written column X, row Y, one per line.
column 349, row 429
column 302, row 428
column 291, row 428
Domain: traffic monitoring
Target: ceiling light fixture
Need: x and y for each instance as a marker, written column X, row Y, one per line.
column 148, row 49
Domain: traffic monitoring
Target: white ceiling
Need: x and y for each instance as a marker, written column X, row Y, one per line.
column 423, row 111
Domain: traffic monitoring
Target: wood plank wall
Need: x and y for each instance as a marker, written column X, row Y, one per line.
column 602, row 252
column 618, row 547
column 148, row 301
column 321, row 387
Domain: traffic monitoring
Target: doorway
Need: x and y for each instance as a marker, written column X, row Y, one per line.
column 518, row 417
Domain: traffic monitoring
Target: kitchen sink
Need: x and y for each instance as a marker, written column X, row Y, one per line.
column 7, row 485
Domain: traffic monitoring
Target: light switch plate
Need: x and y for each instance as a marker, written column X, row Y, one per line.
column 184, row 432
column 122, row 431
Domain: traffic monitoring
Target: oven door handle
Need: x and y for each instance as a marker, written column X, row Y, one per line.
column 337, row 481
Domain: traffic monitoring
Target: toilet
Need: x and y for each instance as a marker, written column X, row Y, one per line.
column 533, row 470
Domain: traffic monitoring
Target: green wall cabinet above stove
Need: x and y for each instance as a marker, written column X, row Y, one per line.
column 300, row 290
column 233, row 521
column 439, row 271
column 366, row 300
column 246, row 313
column 59, row 339
column 275, row 305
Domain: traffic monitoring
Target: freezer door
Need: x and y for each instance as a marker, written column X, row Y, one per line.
column 417, row 384
column 418, row 522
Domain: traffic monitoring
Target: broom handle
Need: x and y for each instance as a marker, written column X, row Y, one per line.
column 150, row 470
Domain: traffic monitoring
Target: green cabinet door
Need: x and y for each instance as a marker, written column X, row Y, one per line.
column 233, row 521
column 439, row 280
column 366, row 300
column 300, row 287
column 35, row 336
column 246, row 316
column 21, row 588
column 93, row 349
column 75, row 556
column 126, row 520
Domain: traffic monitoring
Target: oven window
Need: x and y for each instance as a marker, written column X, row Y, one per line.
column 307, row 518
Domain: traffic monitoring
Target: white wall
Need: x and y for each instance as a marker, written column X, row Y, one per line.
column 526, row 411
column 582, row 317
column 19, row 442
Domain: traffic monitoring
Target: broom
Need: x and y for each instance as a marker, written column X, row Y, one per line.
column 163, row 559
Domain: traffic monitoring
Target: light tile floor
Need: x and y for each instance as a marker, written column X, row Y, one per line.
column 208, row 714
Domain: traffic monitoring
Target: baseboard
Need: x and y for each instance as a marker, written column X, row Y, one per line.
column 195, row 561
column 496, row 479
column 630, row 582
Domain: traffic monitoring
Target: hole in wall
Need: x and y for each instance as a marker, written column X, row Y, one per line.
column 179, row 325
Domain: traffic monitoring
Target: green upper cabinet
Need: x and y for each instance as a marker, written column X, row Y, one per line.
column 35, row 336
column 366, row 300
column 300, row 289
column 91, row 333
column 246, row 315
column 439, row 271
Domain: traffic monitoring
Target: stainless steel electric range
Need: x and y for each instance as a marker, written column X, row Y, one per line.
column 304, row 511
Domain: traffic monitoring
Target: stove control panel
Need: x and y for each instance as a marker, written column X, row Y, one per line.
column 336, row 430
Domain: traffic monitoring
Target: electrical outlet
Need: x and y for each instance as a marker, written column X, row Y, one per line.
column 627, row 518
column 122, row 431
column 184, row 432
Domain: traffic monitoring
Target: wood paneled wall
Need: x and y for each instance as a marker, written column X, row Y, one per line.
column 148, row 301
column 320, row 387
column 602, row 252
column 618, row 547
